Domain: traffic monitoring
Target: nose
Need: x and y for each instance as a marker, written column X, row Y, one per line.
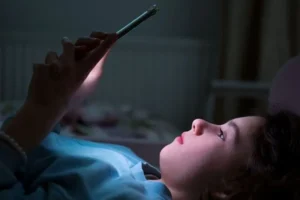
column 198, row 125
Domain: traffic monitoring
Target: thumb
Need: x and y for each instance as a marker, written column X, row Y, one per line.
column 68, row 50
column 98, row 53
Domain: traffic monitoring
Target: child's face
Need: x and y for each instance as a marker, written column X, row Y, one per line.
column 208, row 153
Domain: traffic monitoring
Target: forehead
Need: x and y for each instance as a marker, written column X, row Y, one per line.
column 249, row 124
column 250, row 120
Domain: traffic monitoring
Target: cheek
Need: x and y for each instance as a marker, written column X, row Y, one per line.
column 241, row 155
column 195, row 151
column 198, row 161
column 196, row 155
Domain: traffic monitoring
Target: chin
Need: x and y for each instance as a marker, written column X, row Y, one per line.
column 166, row 157
column 161, row 155
column 164, row 152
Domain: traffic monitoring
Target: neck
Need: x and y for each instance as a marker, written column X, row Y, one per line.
column 180, row 194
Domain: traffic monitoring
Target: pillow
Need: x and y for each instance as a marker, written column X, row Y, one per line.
column 285, row 90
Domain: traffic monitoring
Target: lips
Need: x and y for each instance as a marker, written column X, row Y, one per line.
column 180, row 139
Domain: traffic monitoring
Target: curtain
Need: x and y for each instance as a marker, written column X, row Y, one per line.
column 258, row 37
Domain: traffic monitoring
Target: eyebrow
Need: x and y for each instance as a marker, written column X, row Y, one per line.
column 236, row 128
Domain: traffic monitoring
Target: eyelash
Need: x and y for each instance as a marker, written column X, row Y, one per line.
column 221, row 135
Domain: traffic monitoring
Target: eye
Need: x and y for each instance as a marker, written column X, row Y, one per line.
column 221, row 135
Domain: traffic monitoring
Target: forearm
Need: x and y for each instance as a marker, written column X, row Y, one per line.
column 31, row 124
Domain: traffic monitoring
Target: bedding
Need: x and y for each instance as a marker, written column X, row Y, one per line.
column 105, row 121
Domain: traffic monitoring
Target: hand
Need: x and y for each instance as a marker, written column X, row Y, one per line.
column 53, row 84
column 90, row 83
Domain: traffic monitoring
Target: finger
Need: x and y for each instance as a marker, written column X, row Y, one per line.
column 39, row 71
column 105, row 56
column 80, row 52
column 80, row 48
column 87, row 44
column 87, row 41
column 68, row 50
column 56, row 70
column 94, row 56
column 99, row 35
column 51, row 57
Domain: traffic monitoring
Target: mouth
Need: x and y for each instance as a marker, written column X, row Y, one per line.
column 180, row 139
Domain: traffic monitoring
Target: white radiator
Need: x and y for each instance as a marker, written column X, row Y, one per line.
column 163, row 75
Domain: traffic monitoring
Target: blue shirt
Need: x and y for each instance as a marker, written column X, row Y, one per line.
column 68, row 168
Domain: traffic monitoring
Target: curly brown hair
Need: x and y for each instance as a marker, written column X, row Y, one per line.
column 273, row 171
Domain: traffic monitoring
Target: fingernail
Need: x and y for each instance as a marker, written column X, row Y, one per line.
column 66, row 40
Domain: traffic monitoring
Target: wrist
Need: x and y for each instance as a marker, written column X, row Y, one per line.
column 32, row 123
column 49, row 111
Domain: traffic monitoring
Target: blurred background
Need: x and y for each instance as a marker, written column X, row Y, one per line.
column 194, row 59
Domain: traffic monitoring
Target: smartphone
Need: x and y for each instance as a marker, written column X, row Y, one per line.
column 134, row 23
